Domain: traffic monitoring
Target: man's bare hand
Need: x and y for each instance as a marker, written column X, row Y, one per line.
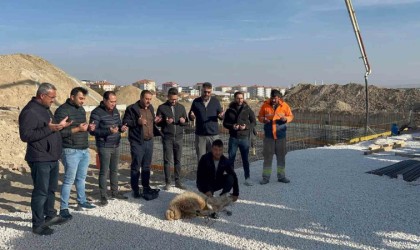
column 83, row 127
column 114, row 129
column 141, row 121
column 169, row 120
column 235, row 126
column 158, row 119
column 92, row 126
column 124, row 128
column 192, row 115
column 209, row 194
column 182, row 120
column 54, row 127
column 65, row 122
column 242, row 127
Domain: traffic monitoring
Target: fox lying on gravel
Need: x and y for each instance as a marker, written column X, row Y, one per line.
column 191, row 204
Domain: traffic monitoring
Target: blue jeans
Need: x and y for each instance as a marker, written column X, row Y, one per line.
column 243, row 145
column 76, row 163
column 45, row 179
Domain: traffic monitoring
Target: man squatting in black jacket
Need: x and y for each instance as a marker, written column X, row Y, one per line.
column 215, row 172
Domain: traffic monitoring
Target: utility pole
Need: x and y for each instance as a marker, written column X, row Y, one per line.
column 353, row 20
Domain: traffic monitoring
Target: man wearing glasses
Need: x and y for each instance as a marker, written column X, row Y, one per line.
column 207, row 110
column 40, row 130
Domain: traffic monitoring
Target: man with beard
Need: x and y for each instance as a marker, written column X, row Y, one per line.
column 275, row 113
column 207, row 110
column 240, row 120
column 75, row 156
column 140, row 118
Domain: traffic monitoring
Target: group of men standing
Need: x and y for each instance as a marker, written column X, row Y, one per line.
column 64, row 136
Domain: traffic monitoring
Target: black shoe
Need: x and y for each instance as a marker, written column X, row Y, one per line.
column 119, row 196
column 104, row 201
column 284, row 180
column 179, row 185
column 150, row 194
column 43, row 230
column 56, row 220
column 151, row 190
column 136, row 195
column 214, row 216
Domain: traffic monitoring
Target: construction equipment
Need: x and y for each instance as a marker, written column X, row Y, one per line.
column 353, row 20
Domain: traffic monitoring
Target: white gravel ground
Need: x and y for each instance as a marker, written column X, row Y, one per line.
column 331, row 203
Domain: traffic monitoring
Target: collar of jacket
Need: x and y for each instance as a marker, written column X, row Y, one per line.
column 38, row 102
column 69, row 102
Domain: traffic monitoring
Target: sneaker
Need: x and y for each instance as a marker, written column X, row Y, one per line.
column 85, row 206
column 119, row 196
column 43, row 230
column 104, row 201
column 167, row 186
column 284, row 180
column 248, row 182
column 264, row 181
column 65, row 214
column 179, row 185
column 56, row 220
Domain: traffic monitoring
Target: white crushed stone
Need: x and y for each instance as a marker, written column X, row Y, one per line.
column 331, row 203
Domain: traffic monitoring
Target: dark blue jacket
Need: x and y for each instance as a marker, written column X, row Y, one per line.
column 104, row 120
column 206, row 122
column 43, row 143
column 77, row 115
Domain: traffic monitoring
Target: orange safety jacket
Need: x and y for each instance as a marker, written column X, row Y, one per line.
column 275, row 129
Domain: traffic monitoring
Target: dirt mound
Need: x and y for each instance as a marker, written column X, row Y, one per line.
column 20, row 75
column 130, row 94
column 350, row 98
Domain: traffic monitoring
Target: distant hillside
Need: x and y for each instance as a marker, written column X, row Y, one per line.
column 350, row 98
column 20, row 74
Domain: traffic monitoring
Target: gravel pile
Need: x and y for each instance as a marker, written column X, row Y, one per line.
column 331, row 203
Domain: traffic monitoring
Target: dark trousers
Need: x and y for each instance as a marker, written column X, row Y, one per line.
column 141, row 156
column 225, row 183
column 172, row 152
column 109, row 159
column 45, row 179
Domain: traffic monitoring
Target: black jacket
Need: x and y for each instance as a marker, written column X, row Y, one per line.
column 206, row 118
column 77, row 115
column 207, row 175
column 104, row 120
column 174, row 129
column 43, row 143
column 239, row 115
column 131, row 116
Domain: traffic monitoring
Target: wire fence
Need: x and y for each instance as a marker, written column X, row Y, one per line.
column 307, row 130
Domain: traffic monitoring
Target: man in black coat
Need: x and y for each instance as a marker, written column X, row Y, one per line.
column 215, row 172
column 240, row 120
column 107, row 135
column 141, row 120
column 39, row 129
column 174, row 118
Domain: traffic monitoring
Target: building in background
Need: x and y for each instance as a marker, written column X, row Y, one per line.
column 223, row 88
column 145, row 85
column 167, row 85
column 99, row 86
column 256, row 91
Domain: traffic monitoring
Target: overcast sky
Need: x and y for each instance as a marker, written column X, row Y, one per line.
column 266, row 42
